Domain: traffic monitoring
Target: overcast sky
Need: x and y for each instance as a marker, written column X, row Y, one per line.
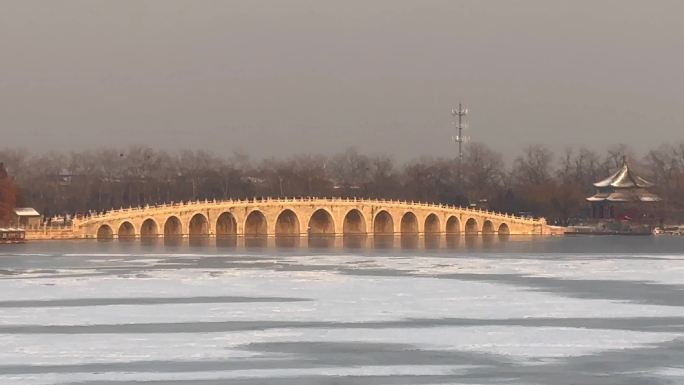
column 275, row 78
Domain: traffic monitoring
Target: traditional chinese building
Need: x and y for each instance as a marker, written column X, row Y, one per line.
column 623, row 195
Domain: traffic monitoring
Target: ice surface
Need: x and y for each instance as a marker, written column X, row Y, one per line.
column 418, row 303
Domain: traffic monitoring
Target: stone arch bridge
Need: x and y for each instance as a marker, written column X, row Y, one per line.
column 298, row 217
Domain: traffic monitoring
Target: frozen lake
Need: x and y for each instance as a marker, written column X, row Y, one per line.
column 568, row 310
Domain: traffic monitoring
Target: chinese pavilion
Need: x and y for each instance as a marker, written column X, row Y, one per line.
column 623, row 195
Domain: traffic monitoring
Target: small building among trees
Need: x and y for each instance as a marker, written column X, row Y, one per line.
column 623, row 196
column 26, row 218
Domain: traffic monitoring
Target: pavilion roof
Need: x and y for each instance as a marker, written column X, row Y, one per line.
column 625, row 196
column 624, row 178
column 26, row 212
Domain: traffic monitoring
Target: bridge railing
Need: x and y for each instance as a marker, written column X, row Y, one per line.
column 255, row 200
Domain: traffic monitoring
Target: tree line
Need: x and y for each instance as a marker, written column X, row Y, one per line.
column 538, row 181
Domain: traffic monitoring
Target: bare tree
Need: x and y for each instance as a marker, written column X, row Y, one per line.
column 534, row 166
column 8, row 196
column 483, row 172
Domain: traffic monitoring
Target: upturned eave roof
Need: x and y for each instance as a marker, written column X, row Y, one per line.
column 619, row 196
column 624, row 178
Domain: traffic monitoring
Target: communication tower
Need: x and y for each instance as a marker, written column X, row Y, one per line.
column 459, row 115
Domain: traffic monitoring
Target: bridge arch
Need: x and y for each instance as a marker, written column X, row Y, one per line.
column 504, row 229
column 287, row 223
column 149, row 228
column 488, row 227
column 383, row 223
column 321, row 222
column 432, row 225
column 173, row 227
column 226, row 225
column 409, row 223
column 198, row 226
column 471, row 227
column 105, row 232
column 354, row 222
column 255, row 223
column 453, row 225
column 126, row 230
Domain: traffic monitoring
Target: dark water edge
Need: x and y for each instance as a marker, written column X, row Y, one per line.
column 518, row 246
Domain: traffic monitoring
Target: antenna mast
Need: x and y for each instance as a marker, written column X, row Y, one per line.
column 459, row 114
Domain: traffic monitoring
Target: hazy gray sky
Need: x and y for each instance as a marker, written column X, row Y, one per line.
column 283, row 77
